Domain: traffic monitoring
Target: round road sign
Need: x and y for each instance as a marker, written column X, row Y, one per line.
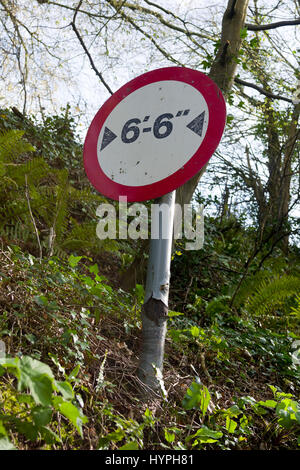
column 154, row 134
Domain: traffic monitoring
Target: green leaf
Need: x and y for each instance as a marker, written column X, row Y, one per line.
column 297, row 416
column 234, row 410
column 268, row 403
column 206, row 435
column 65, row 389
column 2, row 429
column 194, row 330
column 48, row 435
column 38, row 378
column 12, row 364
column 74, row 260
column 169, row 436
column 97, row 291
column 41, row 300
column 25, row 398
column 171, row 314
column 243, row 33
column 114, row 436
column 29, row 430
column 41, row 415
column 74, row 372
column 93, row 269
column 130, row 446
column 197, row 396
column 230, row 424
column 139, row 292
column 192, row 397
column 74, row 414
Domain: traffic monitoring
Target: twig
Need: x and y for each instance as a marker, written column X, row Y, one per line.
column 203, row 365
column 99, row 75
column 144, row 33
column 32, row 218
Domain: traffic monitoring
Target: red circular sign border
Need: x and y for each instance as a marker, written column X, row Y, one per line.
column 217, row 118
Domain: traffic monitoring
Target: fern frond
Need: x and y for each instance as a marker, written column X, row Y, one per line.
column 85, row 195
column 272, row 293
column 249, row 285
column 296, row 310
column 12, row 145
column 35, row 169
column 84, row 236
column 17, row 231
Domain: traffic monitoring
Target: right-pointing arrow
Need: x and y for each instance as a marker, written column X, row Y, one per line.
column 108, row 137
column 196, row 125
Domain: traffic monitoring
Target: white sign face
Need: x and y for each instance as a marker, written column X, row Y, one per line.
column 152, row 133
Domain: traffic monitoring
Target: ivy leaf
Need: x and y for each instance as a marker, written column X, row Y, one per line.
column 205, row 435
column 93, row 269
column 197, row 396
column 268, row 403
column 172, row 314
column 195, row 331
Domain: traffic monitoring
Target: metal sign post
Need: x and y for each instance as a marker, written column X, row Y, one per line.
column 150, row 137
column 155, row 309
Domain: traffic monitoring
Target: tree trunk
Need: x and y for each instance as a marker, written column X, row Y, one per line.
column 274, row 206
column 286, row 176
column 222, row 72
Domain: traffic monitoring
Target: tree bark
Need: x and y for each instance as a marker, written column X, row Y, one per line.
column 286, row 174
column 222, row 72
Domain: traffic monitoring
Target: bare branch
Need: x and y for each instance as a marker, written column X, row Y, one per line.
column 239, row 81
column 279, row 24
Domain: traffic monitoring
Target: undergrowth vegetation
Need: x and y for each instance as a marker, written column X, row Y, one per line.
column 70, row 335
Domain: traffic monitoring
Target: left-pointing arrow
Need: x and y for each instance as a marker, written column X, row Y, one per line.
column 108, row 137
